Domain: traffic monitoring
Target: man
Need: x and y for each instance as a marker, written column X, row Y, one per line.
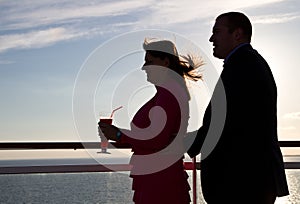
column 246, row 164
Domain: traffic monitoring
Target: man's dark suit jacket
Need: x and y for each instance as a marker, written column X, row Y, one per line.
column 247, row 159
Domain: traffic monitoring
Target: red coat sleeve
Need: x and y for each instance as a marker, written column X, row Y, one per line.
column 145, row 136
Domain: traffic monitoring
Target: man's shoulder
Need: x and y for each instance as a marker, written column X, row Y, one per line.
column 246, row 55
column 246, row 50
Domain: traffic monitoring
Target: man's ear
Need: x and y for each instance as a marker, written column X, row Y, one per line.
column 238, row 34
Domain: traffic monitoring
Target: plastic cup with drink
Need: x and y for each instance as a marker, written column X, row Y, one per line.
column 107, row 120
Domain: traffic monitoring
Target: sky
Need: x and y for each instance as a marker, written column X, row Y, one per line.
column 47, row 46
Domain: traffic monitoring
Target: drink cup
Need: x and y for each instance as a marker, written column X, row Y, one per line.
column 104, row 141
column 107, row 120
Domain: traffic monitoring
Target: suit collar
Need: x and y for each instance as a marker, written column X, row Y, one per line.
column 243, row 45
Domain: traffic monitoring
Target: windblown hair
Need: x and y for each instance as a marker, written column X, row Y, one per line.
column 186, row 66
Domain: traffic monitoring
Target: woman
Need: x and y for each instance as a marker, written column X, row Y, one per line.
column 158, row 128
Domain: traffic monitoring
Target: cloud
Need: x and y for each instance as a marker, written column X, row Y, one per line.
column 294, row 116
column 178, row 11
column 34, row 23
column 35, row 39
column 277, row 18
column 287, row 128
column 33, row 13
column 43, row 23
column 6, row 62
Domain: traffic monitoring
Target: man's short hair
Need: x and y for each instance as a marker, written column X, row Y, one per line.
column 237, row 20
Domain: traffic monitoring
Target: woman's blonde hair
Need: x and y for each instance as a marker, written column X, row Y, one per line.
column 185, row 65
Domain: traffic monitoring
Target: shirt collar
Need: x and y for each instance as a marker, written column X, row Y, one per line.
column 234, row 50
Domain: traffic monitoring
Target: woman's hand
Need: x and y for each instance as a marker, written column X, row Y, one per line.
column 109, row 131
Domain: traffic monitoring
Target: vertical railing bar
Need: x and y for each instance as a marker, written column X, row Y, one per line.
column 194, row 181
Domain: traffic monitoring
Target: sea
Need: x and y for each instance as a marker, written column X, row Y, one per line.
column 90, row 188
column 96, row 187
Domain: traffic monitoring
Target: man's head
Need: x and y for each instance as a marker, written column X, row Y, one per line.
column 230, row 30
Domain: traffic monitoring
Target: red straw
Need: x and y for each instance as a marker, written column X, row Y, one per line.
column 111, row 115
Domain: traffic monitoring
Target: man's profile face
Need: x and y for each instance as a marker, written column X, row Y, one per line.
column 223, row 41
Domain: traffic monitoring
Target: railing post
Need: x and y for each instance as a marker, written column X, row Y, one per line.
column 194, row 181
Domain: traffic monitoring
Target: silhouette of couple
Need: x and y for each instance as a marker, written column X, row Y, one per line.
column 240, row 164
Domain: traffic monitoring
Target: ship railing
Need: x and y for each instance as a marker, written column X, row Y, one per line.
column 189, row 165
